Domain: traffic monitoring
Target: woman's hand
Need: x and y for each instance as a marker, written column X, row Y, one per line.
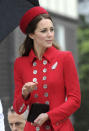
column 28, row 88
column 41, row 119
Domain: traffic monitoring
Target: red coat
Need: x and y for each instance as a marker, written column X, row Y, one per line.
column 57, row 79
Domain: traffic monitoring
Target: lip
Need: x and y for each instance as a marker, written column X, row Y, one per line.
column 49, row 40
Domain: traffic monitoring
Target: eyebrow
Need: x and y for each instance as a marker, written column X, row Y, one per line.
column 46, row 28
column 16, row 123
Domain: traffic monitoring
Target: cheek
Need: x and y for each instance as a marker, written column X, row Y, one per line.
column 41, row 37
column 11, row 127
column 53, row 35
column 21, row 128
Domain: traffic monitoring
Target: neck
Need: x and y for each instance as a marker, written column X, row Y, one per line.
column 39, row 51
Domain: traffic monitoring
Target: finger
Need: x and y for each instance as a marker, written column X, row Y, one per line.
column 27, row 87
column 31, row 83
column 25, row 90
column 35, row 124
column 32, row 123
column 32, row 87
column 36, row 120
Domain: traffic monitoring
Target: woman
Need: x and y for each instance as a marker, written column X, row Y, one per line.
column 44, row 74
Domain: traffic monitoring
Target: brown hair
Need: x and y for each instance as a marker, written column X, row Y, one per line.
column 27, row 45
column 11, row 109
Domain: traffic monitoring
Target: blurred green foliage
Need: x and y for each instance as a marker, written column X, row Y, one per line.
column 82, row 115
column 83, row 46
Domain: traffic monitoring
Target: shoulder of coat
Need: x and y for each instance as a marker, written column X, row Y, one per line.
column 20, row 60
column 63, row 54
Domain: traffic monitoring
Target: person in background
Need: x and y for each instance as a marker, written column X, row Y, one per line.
column 2, row 126
column 44, row 74
column 16, row 122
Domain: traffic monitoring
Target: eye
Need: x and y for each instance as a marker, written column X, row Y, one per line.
column 51, row 29
column 18, row 123
column 43, row 30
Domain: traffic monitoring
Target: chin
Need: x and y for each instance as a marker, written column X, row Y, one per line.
column 49, row 45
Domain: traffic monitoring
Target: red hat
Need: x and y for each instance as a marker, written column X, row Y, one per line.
column 30, row 15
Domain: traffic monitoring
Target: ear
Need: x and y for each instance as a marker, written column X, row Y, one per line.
column 31, row 36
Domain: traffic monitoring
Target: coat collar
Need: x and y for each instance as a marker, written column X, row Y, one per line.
column 48, row 55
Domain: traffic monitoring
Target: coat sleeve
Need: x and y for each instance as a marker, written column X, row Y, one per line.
column 19, row 103
column 72, row 87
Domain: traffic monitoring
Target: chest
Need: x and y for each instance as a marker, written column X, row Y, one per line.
column 43, row 72
column 49, row 76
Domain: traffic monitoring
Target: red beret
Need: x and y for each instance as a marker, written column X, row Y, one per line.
column 30, row 15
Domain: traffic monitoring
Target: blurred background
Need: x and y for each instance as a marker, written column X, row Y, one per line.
column 71, row 22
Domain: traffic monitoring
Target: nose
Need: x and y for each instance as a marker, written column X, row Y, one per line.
column 14, row 128
column 50, row 33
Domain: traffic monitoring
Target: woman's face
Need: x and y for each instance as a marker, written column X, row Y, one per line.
column 44, row 34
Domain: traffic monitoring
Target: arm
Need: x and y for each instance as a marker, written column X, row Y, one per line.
column 19, row 104
column 71, row 83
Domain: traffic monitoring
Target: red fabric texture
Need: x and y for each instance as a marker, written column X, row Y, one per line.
column 62, row 83
column 30, row 15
